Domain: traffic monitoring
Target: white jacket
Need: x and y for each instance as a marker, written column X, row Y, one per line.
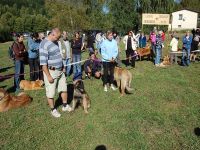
column 133, row 42
column 65, row 49
column 174, row 44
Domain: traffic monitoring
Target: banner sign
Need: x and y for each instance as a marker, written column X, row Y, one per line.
column 155, row 19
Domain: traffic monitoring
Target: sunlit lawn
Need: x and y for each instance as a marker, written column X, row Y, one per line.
column 161, row 113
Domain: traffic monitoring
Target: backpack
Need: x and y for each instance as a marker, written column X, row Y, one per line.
column 11, row 53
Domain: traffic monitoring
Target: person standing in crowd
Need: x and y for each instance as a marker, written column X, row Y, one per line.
column 142, row 41
column 187, row 40
column 41, row 37
column 65, row 51
column 77, row 47
column 52, row 65
column 19, row 51
column 163, row 35
column 33, row 54
column 159, row 43
column 130, row 47
column 109, row 52
column 92, row 67
column 174, row 46
column 98, row 40
column 195, row 45
column 117, row 39
column 152, row 39
column 90, row 42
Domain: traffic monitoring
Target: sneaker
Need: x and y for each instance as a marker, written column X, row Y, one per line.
column 113, row 87
column 55, row 113
column 157, row 65
column 67, row 108
column 105, row 88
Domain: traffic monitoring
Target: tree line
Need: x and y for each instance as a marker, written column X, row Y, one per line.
column 119, row 15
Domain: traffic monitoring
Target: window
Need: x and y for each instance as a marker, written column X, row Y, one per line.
column 179, row 26
column 180, row 16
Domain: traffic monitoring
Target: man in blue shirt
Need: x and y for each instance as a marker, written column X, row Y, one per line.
column 109, row 52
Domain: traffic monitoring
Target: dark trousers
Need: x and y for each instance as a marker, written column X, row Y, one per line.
column 34, row 69
column 19, row 73
column 108, row 72
column 130, row 53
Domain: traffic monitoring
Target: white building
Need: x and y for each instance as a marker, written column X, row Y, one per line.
column 183, row 20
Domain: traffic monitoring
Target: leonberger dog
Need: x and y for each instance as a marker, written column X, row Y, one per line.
column 8, row 101
column 80, row 96
column 31, row 85
column 166, row 61
column 123, row 78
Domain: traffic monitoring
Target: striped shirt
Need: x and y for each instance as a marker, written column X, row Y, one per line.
column 50, row 54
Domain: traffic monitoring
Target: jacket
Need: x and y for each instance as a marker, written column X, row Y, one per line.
column 109, row 50
column 19, row 50
column 133, row 42
column 33, row 48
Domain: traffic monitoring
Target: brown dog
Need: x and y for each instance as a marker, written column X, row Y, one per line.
column 31, row 85
column 80, row 96
column 166, row 61
column 123, row 78
column 8, row 101
column 146, row 51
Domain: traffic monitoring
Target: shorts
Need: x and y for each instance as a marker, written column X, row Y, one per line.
column 59, row 82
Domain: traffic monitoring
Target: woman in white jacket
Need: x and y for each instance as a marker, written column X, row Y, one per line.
column 174, row 47
column 130, row 42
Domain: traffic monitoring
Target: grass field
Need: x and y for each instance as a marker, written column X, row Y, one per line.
column 162, row 113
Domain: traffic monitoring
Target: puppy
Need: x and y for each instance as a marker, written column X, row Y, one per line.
column 166, row 61
column 8, row 101
column 31, row 85
column 80, row 96
column 123, row 78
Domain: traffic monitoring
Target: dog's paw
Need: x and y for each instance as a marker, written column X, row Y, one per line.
column 86, row 112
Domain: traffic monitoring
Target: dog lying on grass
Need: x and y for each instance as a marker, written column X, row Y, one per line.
column 31, row 85
column 123, row 77
column 80, row 96
column 166, row 61
column 8, row 101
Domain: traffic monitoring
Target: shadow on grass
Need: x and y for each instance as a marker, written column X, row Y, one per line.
column 197, row 131
column 2, row 78
column 101, row 147
column 70, row 93
column 11, row 89
column 4, row 86
column 5, row 69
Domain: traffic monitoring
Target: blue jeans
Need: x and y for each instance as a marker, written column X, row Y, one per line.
column 19, row 69
column 77, row 67
column 186, row 57
column 153, row 47
column 91, row 49
column 158, row 55
column 68, row 68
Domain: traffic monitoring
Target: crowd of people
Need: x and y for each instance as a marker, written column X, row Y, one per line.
column 52, row 58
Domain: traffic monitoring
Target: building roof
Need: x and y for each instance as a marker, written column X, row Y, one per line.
column 187, row 10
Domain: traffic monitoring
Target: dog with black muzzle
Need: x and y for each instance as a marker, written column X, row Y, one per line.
column 80, row 96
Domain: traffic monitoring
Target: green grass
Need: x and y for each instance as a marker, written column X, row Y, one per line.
column 162, row 113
